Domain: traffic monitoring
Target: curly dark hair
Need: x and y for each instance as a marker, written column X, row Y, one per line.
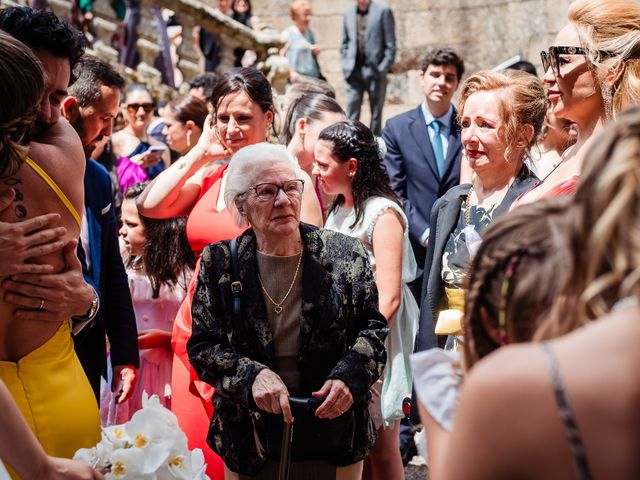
column 167, row 252
column 353, row 139
column 42, row 30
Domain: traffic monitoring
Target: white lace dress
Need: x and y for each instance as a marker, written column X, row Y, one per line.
column 397, row 379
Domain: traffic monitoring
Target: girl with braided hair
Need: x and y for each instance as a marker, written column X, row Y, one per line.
column 348, row 162
column 568, row 408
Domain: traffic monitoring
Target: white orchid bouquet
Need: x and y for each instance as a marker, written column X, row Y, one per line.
column 150, row 446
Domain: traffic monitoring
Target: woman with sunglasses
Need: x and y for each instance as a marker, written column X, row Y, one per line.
column 194, row 186
column 592, row 73
column 139, row 155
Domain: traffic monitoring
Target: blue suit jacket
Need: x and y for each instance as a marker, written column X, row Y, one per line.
column 411, row 165
column 379, row 36
column 115, row 316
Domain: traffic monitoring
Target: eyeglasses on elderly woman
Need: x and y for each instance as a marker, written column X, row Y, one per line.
column 268, row 192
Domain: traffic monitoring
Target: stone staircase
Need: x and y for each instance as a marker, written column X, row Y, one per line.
column 188, row 13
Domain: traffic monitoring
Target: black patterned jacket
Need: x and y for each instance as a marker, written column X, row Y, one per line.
column 342, row 336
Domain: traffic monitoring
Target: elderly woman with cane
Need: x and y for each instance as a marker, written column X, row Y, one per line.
column 307, row 325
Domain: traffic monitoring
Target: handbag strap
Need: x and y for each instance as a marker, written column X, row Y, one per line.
column 236, row 284
column 236, row 295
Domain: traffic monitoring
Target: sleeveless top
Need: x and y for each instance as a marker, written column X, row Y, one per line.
column 341, row 219
column 205, row 223
column 56, row 189
column 397, row 378
column 566, row 414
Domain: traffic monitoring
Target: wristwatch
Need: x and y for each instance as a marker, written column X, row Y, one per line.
column 93, row 309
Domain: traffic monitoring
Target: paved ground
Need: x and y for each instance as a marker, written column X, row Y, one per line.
column 415, row 471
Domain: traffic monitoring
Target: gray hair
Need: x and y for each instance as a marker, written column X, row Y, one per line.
column 246, row 168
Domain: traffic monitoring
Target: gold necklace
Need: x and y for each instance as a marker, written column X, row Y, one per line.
column 278, row 305
column 467, row 204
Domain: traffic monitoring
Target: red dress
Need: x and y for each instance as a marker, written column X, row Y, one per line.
column 191, row 398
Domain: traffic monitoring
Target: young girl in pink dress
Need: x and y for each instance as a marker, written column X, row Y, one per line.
column 159, row 264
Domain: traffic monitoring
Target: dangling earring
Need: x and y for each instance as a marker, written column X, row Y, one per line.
column 268, row 136
column 607, row 100
column 188, row 138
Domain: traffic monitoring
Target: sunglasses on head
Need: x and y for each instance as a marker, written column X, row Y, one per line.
column 134, row 107
column 551, row 58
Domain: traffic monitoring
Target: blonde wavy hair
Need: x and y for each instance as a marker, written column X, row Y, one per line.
column 21, row 91
column 603, row 230
column 524, row 102
column 610, row 30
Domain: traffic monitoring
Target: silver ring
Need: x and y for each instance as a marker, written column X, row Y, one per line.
column 41, row 307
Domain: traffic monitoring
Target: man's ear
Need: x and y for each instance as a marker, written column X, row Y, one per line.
column 70, row 109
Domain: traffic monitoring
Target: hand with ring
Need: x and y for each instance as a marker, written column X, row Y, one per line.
column 338, row 401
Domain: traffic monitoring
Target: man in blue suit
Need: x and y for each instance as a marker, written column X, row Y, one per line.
column 91, row 108
column 424, row 149
column 367, row 52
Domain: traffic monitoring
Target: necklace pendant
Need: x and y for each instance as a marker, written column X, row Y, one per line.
column 278, row 309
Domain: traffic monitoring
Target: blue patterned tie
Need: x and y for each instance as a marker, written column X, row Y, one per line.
column 438, row 150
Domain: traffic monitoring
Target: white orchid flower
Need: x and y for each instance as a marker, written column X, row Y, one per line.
column 151, row 435
column 87, row 455
column 115, row 436
column 150, row 446
column 127, row 463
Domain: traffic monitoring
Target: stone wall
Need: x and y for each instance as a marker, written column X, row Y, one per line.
column 486, row 32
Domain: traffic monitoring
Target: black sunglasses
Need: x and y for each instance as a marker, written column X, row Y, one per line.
column 134, row 107
column 551, row 58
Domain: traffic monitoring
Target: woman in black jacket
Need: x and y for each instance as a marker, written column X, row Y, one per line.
column 309, row 326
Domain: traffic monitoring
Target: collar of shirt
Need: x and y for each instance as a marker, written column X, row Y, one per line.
column 445, row 120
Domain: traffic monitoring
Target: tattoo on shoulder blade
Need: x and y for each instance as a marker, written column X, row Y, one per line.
column 12, row 181
column 21, row 212
column 19, row 209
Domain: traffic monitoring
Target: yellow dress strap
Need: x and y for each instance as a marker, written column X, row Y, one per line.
column 54, row 186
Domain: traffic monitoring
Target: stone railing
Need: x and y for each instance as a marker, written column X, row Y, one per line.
column 189, row 14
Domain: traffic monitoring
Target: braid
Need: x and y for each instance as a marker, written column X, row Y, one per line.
column 352, row 139
column 605, row 264
column 532, row 235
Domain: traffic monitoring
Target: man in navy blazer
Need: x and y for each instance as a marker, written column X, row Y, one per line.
column 367, row 52
column 90, row 108
column 424, row 149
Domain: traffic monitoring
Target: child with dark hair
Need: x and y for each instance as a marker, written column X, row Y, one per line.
column 159, row 264
column 349, row 165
